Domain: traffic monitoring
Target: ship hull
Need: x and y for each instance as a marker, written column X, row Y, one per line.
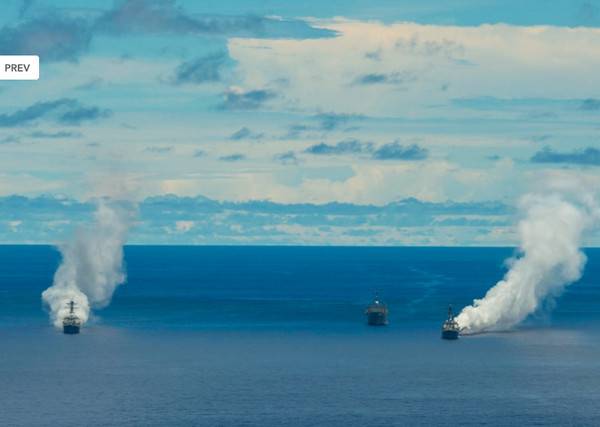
column 70, row 329
column 377, row 319
column 450, row 335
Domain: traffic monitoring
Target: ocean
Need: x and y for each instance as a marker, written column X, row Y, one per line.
column 276, row 336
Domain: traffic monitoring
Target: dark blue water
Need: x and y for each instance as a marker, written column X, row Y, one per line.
column 276, row 336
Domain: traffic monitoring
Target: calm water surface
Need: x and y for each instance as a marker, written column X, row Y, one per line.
column 276, row 336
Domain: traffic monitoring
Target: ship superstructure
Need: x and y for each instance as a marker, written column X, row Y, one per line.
column 450, row 328
column 71, row 323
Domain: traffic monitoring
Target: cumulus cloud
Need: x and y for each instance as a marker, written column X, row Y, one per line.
column 397, row 151
column 447, row 48
column 190, row 218
column 588, row 156
column 441, row 56
column 66, row 111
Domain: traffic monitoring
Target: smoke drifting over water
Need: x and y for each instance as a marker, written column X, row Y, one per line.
column 92, row 264
column 550, row 258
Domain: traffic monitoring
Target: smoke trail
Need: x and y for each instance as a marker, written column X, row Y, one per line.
column 550, row 258
column 92, row 264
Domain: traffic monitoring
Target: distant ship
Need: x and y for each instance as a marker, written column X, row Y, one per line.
column 450, row 328
column 377, row 313
column 71, row 323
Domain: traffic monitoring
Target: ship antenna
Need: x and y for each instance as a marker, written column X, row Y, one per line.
column 450, row 311
column 71, row 304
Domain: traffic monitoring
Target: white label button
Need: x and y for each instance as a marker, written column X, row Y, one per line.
column 19, row 67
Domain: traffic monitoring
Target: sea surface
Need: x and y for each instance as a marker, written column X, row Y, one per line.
column 276, row 336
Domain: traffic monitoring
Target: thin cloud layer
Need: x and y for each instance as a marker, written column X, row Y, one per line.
column 205, row 69
column 65, row 111
column 238, row 99
column 589, row 156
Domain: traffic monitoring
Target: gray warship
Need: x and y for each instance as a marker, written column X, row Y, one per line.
column 377, row 313
column 450, row 328
column 71, row 323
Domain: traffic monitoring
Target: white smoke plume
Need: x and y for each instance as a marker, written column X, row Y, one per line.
column 549, row 259
column 92, row 263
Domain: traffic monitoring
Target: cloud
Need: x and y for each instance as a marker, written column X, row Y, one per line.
column 287, row 158
column 165, row 16
column 201, row 70
column 383, row 78
column 59, row 37
column 245, row 133
column 159, row 149
column 237, row 99
column 54, row 135
column 232, row 157
column 349, row 146
column 437, row 54
column 67, row 111
column 587, row 156
column 10, row 139
column 374, row 55
column 200, row 219
column 396, row 151
column 332, row 121
column 391, row 151
column 184, row 226
column 326, row 122
column 158, row 16
column 80, row 113
column 32, row 112
column 199, row 153
column 446, row 48
column 53, row 38
column 590, row 104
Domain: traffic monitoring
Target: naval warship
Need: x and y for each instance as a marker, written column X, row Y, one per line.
column 71, row 323
column 377, row 313
column 450, row 328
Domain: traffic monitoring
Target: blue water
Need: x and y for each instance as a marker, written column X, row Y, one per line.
column 275, row 336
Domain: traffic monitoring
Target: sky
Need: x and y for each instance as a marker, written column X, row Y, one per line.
column 277, row 122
